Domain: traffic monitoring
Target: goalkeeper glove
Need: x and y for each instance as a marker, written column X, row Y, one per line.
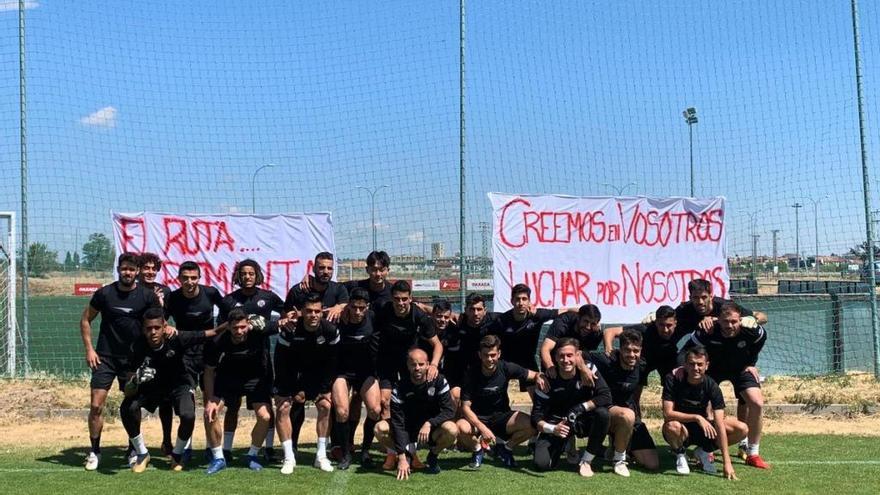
column 257, row 322
column 575, row 412
column 749, row 322
column 649, row 318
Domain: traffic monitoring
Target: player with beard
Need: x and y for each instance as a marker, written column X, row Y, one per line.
column 622, row 370
column 305, row 367
column 121, row 305
column 334, row 295
column 583, row 326
column 355, row 374
column 421, row 414
column 250, row 298
column 401, row 326
column 733, row 348
column 569, row 409
column 157, row 371
column 702, row 309
column 487, row 416
column 687, row 396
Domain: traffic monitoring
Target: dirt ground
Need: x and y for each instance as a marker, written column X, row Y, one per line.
column 35, row 413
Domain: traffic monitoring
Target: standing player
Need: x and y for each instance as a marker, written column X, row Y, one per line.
column 305, row 366
column 702, row 308
column 687, row 394
column 733, row 346
column 354, row 376
column 485, row 406
column 158, row 372
column 401, row 326
column 421, row 414
column 237, row 363
column 583, row 326
column 447, row 331
column 622, row 370
column 333, row 294
column 461, row 354
column 376, row 284
column 249, row 297
column 570, row 408
column 121, row 305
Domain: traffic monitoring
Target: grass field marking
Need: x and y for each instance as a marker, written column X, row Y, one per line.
column 826, row 463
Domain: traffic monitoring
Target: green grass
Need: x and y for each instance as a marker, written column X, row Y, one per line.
column 50, row 471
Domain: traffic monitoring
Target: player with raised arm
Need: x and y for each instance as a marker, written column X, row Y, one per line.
column 687, row 395
column 702, row 309
column 157, row 371
column 733, row 351
column 121, row 305
column 422, row 413
column 237, row 364
column 622, row 370
column 355, row 373
column 401, row 326
column 570, row 408
column 305, row 366
column 253, row 300
column 487, row 416
column 334, row 295
column 583, row 326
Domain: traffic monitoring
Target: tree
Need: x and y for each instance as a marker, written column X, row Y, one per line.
column 76, row 260
column 68, row 262
column 861, row 252
column 41, row 259
column 97, row 253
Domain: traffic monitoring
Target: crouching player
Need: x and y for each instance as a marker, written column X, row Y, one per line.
column 486, row 405
column 570, row 408
column 687, row 394
column 236, row 364
column 622, row 370
column 157, row 373
column 422, row 413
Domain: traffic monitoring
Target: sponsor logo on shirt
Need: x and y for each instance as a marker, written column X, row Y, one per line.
column 491, row 389
column 124, row 310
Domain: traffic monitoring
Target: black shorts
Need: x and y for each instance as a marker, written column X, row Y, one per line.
column 413, row 433
column 354, row 379
column 258, row 390
column 390, row 371
column 740, row 381
column 641, row 439
column 697, row 437
column 110, row 368
column 497, row 423
column 181, row 397
column 662, row 368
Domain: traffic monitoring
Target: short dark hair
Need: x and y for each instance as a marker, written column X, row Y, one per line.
column 490, row 342
column 129, row 258
column 590, row 311
column 442, row 306
column 236, row 272
column 474, row 298
column 380, row 258
column 566, row 341
column 153, row 314
column 323, row 255
column 520, row 289
column 235, row 315
column 664, row 312
column 699, row 285
column 628, row 337
column 145, row 258
column 401, row 286
column 697, row 351
column 311, row 298
column 359, row 294
column 189, row 265
column 731, row 307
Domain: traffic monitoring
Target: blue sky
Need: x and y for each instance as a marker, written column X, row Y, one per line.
column 171, row 106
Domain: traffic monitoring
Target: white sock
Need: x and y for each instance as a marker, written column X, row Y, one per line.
column 744, row 443
column 217, row 452
column 228, row 439
column 254, row 450
column 287, row 445
column 753, row 449
column 587, row 457
column 139, row 446
column 180, row 445
column 619, row 456
column 189, row 443
column 322, row 448
column 270, row 438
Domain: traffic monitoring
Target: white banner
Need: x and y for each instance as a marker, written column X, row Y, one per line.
column 426, row 285
column 626, row 255
column 284, row 245
column 479, row 284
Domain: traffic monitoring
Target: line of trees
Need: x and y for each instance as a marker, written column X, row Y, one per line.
column 97, row 255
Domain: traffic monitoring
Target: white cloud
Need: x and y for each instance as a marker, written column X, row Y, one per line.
column 104, row 117
column 417, row 236
column 6, row 5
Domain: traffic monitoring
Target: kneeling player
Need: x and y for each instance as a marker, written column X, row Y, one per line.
column 305, row 365
column 570, row 408
column 158, row 373
column 622, row 370
column 486, row 405
column 687, row 394
column 236, row 364
column 422, row 413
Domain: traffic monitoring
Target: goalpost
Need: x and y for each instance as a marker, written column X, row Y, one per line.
column 7, row 293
